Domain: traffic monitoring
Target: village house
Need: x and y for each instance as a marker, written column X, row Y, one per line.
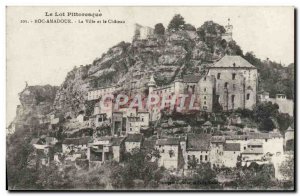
column 253, row 153
column 197, row 149
column 44, row 149
column 105, row 148
column 133, row 141
column 231, row 153
column 75, row 144
column 133, row 125
column 170, row 153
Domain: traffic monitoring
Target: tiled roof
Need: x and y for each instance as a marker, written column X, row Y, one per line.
column 134, row 138
column 191, row 78
column 149, row 144
column 232, row 147
column 232, row 62
column 199, row 142
column 254, row 136
column 168, row 141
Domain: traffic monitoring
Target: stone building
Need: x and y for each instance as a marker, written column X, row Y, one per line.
column 142, row 32
column 170, row 153
column 106, row 148
column 236, row 82
column 97, row 93
column 133, row 141
column 197, row 149
column 231, row 153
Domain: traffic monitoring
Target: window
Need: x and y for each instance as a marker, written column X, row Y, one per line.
column 266, row 140
column 233, row 76
column 204, row 78
column 204, row 102
column 248, row 96
column 189, row 157
column 142, row 119
column 204, row 89
column 244, row 147
column 219, row 76
column 205, row 157
column 226, row 84
column 205, row 97
column 201, row 158
column 171, row 153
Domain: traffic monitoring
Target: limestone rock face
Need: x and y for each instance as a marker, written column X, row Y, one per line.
column 35, row 101
column 165, row 56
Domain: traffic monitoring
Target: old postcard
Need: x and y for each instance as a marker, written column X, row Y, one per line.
column 150, row 98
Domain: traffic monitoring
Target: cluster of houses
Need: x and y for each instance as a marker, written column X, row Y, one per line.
column 230, row 83
column 176, row 153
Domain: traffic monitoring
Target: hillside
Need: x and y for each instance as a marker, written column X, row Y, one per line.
column 166, row 54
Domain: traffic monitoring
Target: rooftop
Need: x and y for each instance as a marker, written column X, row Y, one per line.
column 232, row 147
column 191, row 78
column 134, row 138
column 232, row 62
column 168, row 141
column 199, row 142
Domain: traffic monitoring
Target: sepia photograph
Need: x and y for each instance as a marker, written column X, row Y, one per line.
column 163, row 98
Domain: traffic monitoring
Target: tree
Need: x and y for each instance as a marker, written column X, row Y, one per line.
column 189, row 27
column 159, row 29
column 176, row 23
column 287, row 169
column 265, row 114
column 204, row 174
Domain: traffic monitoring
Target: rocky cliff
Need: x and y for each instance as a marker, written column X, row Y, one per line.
column 167, row 55
column 35, row 101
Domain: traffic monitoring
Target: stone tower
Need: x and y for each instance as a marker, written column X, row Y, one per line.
column 151, row 84
column 228, row 32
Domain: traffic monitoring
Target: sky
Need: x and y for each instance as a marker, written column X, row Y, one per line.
column 44, row 53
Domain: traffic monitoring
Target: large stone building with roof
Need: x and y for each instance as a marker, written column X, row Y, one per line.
column 235, row 82
column 230, row 83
